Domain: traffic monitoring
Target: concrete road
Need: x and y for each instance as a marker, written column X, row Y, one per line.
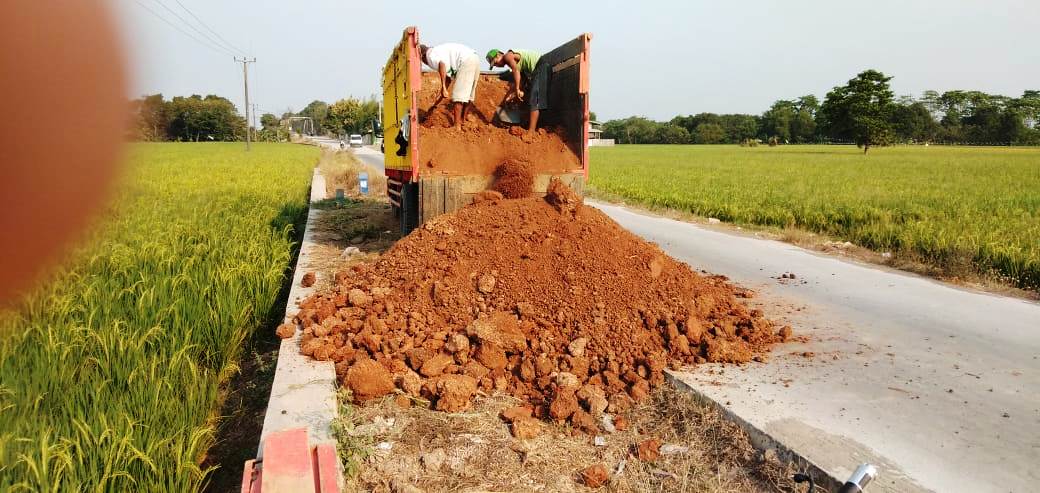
column 936, row 385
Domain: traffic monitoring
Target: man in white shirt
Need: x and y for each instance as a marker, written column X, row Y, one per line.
column 462, row 64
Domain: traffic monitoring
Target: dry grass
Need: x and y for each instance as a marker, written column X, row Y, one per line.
column 340, row 169
column 476, row 452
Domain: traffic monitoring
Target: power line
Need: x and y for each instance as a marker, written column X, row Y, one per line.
column 193, row 28
column 197, row 40
column 226, row 42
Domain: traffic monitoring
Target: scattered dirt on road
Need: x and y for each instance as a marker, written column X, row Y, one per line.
column 481, row 145
column 555, row 305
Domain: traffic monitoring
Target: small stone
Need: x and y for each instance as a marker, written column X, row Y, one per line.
column 607, row 422
column 648, row 450
column 672, row 449
column 584, row 422
column 368, row 379
column 563, row 406
column 620, row 423
column 713, row 220
column 594, row 476
column 285, row 331
column 433, row 460
column 525, row 427
column 577, row 347
column 350, row 252
column 457, row 343
column 600, row 441
column 567, row 381
column 308, row 280
column 358, row 298
column 410, row 383
column 486, row 283
column 455, row 393
column 513, row 413
column 435, row 365
column 403, row 401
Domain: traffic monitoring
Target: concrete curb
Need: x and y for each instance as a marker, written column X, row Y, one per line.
column 303, row 394
column 760, row 439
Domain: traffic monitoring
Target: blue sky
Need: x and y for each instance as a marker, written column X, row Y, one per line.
column 655, row 59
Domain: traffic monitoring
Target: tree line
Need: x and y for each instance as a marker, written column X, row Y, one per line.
column 864, row 111
column 213, row 118
column 186, row 119
column 346, row 116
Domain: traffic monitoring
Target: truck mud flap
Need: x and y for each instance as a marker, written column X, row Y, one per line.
column 409, row 213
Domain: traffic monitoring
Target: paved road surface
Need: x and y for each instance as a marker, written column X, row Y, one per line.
column 937, row 385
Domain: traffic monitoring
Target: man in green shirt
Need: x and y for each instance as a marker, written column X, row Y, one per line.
column 530, row 73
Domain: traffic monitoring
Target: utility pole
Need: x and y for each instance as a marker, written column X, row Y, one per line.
column 245, row 79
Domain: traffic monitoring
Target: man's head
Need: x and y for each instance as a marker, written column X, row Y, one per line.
column 496, row 58
column 422, row 53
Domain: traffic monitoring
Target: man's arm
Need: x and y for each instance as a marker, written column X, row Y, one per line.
column 442, row 70
column 510, row 60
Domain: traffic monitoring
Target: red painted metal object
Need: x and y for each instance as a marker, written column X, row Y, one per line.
column 291, row 465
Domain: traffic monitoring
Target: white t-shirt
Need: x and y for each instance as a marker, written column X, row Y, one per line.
column 451, row 54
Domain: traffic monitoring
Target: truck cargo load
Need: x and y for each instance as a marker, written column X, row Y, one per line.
column 432, row 168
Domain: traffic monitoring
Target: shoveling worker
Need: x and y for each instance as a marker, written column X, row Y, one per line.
column 462, row 64
column 530, row 73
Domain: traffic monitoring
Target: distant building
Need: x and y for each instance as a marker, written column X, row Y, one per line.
column 596, row 135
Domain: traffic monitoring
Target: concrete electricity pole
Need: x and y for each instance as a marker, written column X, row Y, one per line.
column 245, row 79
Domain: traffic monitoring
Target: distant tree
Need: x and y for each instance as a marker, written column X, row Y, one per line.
column 592, row 116
column 709, row 133
column 632, row 130
column 860, row 111
column 151, row 118
column 268, row 120
column 914, row 122
column 777, row 120
column 212, row 118
column 318, row 111
column 670, row 134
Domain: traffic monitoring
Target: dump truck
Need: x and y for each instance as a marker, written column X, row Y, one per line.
column 432, row 170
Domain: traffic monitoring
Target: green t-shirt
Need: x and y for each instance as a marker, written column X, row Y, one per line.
column 528, row 59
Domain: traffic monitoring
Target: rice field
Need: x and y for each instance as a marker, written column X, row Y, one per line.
column 110, row 372
column 945, row 206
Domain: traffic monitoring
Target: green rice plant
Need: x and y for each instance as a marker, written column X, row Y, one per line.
column 946, row 206
column 111, row 370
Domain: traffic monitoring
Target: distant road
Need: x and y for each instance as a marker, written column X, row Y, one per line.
column 366, row 154
column 937, row 385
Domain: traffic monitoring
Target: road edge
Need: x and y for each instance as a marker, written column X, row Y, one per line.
column 760, row 439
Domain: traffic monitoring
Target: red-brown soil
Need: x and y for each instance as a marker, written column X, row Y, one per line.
column 541, row 298
column 513, row 179
column 480, row 145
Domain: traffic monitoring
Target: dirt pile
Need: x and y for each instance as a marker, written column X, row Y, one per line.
column 480, row 145
column 541, row 298
column 513, row 179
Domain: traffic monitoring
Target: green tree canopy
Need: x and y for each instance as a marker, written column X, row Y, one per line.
column 860, row 111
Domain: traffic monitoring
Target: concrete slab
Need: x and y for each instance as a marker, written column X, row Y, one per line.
column 937, row 385
column 303, row 394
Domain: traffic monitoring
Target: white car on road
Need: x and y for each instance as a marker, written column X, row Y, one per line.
column 355, row 140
